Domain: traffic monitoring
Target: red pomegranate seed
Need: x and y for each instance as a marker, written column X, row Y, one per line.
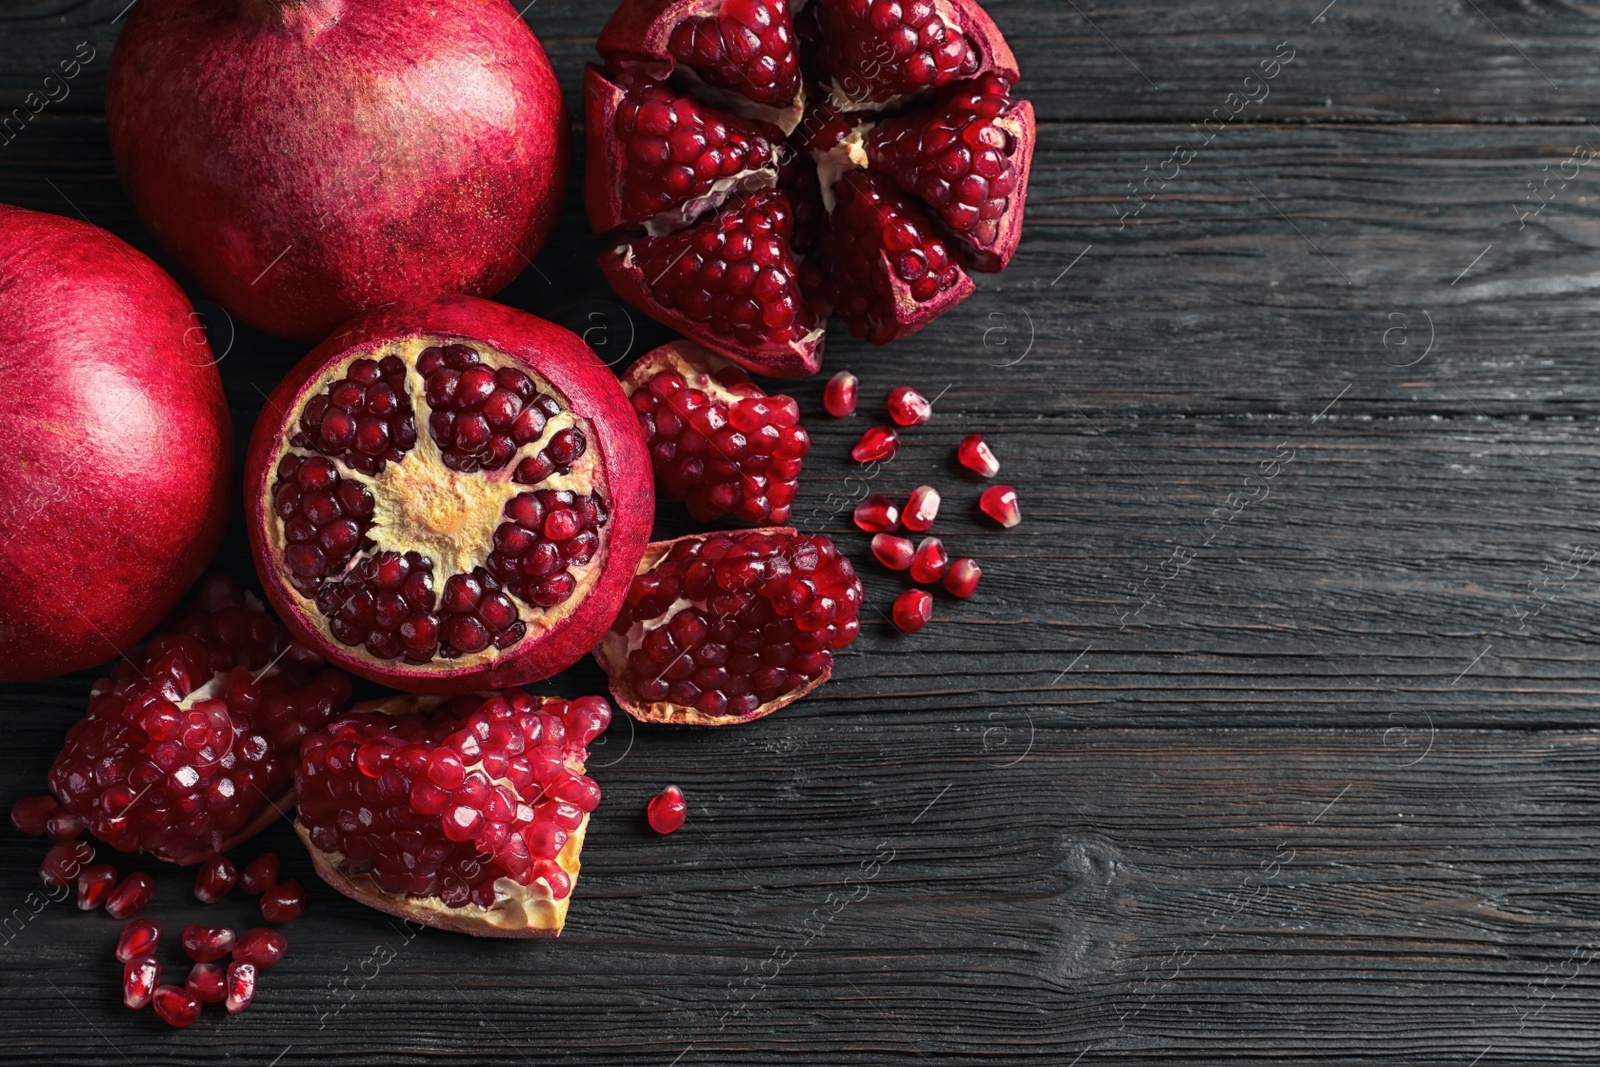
column 64, row 826
column 64, row 862
column 907, row 407
column 217, row 875
column 241, row 985
column 94, row 885
column 930, row 561
column 260, row 874
column 975, row 455
column 999, row 502
column 283, row 903
column 31, row 815
column 893, row 552
column 176, row 1005
column 139, row 938
column 262, row 946
column 205, row 983
column 876, row 514
column 667, row 810
column 878, row 443
column 912, row 610
column 207, row 943
column 133, row 893
column 962, row 577
column 839, row 395
column 140, row 976
column 921, row 509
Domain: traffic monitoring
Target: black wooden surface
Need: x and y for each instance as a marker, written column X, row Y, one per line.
column 1312, row 782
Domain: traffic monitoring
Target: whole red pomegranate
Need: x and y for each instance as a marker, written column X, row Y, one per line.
column 114, row 446
column 906, row 167
column 449, row 496
column 305, row 160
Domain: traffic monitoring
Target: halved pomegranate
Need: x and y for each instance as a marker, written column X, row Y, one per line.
column 726, row 627
column 916, row 151
column 189, row 747
column 466, row 813
column 449, row 495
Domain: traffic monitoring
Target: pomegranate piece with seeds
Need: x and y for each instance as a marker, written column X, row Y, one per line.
column 139, row 938
column 893, row 552
column 205, row 983
column 239, row 986
column 962, row 578
column 975, row 455
column 283, row 903
column 466, row 814
column 667, row 810
column 999, row 502
column 717, row 442
column 907, row 407
column 262, row 946
column 260, row 874
column 140, row 977
column 176, row 1005
column 877, row 53
column 94, row 885
column 31, row 815
column 132, row 894
column 726, row 627
column 190, row 742
column 216, row 876
column 487, row 552
column 912, row 610
column 207, row 943
column 876, row 514
column 839, row 395
column 921, row 509
column 877, row 444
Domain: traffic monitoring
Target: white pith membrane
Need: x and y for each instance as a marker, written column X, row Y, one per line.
column 448, row 516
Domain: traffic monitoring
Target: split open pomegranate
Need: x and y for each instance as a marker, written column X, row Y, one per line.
column 464, row 813
column 902, row 109
column 726, row 627
column 449, row 496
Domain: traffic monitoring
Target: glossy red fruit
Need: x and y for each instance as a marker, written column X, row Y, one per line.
column 726, row 627
column 479, row 807
column 176, row 1005
column 907, row 407
column 667, row 810
column 139, row 938
column 130, row 895
column 921, row 509
column 240, row 984
column 284, row 902
column 318, row 158
column 140, row 977
column 962, row 577
column 95, row 883
column 216, row 876
column 893, row 552
column 31, row 815
column 912, row 610
column 205, row 983
column 876, row 54
column 260, row 874
column 191, row 741
column 876, row 514
column 505, row 501
column 113, row 421
column 839, row 395
column 64, row 826
column 207, row 943
column 999, row 502
column 262, row 946
column 976, row 456
column 930, row 561
column 64, row 862
column 717, row 441
column 877, row 444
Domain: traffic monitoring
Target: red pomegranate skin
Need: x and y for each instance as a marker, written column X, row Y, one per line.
column 304, row 160
column 115, row 446
column 586, row 384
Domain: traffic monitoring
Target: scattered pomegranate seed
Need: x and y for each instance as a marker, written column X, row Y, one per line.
column 217, row 875
column 139, row 938
column 283, row 903
column 839, row 395
column 930, row 561
column 907, row 407
column 260, row 874
column 64, row 826
column 140, row 976
column 176, row 1005
column 975, row 455
column 962, row 577
column 133, row 893
column 94, row 885
column 205, row 983
column 207, row 943
column 912, row 610
column 878, row 443
column 667, row 810
column 64, row 862
column 893, row 552
column 241, row 983
column 262, row 946
column 877, row 514
column 32, row 814
column 921, row 509
column 999, row 502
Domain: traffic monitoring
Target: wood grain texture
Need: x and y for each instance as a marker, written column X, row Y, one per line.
column 1270, row 734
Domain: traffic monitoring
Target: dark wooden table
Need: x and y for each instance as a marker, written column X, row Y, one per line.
column 1295, row 770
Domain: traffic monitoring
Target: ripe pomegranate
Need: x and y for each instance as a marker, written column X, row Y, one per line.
column 449, row 495
column 114, row 446
column 905, row 167
column 305, row 160
column 716, row 440
column 188, row 747
column 466, row 813
column 726, row 627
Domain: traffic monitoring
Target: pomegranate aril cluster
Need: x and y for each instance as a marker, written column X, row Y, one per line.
column 879, row 50
column 325, row 518
column 546, row 534
column 481, row 416
column 364, row 418
column 387, row 604
column 749, row 48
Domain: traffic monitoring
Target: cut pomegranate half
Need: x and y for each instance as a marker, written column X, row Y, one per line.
column 188, row 748
column 466, row 814
column 727, row 627
column 467, row 533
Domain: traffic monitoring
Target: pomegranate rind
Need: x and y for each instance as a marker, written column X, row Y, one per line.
column 612, row 655
column 584, row 384
column 112, row 418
